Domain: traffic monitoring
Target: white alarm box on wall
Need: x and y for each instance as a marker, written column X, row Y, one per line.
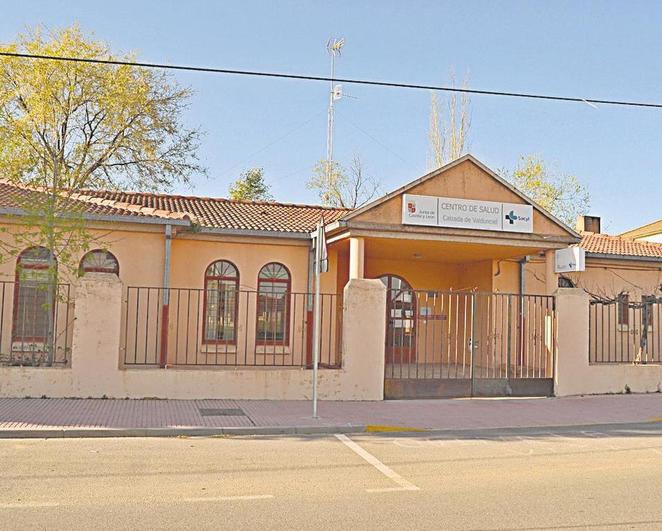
column 569, row 260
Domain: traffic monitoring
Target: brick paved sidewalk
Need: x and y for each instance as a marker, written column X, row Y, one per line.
column 22, row 414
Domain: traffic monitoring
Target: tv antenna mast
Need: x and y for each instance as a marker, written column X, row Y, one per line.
column 334, row 47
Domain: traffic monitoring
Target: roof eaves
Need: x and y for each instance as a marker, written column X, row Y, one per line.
column 630, row 257
column 644, row 230
column 254, row 232
column 7, row 211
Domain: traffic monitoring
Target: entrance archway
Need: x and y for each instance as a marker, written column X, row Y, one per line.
column 401, row 320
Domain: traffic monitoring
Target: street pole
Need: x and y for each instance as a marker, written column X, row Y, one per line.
column 317, row 315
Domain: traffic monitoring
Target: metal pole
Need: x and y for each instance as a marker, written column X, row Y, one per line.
column 317, row 317
column 472, row 350
column 329, row 131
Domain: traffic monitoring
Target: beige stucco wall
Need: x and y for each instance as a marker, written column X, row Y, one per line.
column 95, row 368
column 139, row 249
column 604, row 277
column 574, row 374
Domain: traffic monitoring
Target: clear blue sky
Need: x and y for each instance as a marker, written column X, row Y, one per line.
column 594, row 49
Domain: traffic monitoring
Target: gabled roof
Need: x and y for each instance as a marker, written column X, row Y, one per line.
column 618, row 246
column 404, row 189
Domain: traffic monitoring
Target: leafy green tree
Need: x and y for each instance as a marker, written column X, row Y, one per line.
column 251, row 186
column 562, row 195
column 70, row 126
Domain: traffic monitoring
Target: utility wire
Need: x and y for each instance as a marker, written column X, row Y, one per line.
column 374, row 139
column 273, row 142
column 367, row 82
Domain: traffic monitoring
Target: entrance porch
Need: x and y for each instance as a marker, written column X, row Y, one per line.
column 459, row 319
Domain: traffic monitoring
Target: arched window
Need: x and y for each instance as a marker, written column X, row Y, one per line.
column 34, row 296
column 99, row 261
column 401, row 308
column 273, row 307
column 221, row 302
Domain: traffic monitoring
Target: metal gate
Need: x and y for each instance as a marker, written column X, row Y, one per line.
column 458, row 344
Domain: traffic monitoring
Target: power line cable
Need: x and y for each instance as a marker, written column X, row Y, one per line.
column 367, row 82
column 272, row 143
column 375, row 139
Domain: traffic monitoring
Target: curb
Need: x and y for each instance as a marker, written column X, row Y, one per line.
column 374, row 430
column 91, row 433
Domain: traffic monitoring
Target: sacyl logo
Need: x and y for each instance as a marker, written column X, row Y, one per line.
column 512, row 217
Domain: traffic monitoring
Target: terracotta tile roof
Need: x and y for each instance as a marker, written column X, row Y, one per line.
column 267, row 216
column 18, row 198
column 617, row 245
column 221, row 213
column 206, row 212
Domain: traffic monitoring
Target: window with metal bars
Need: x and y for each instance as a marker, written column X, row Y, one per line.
column 34, row 296
column 221, row 300
column 273, row 295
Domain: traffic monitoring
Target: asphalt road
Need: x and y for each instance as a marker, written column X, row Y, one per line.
column 602, row 478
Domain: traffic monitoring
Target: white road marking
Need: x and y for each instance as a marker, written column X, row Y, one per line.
column 392, row 489
column 230, row 498
column 388, row 472
column 28, row 505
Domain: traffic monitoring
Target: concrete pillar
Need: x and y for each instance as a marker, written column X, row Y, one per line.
column 572, row 314
column 96, row 337
column 364, row 333
column 356, row 258
column 551, row 278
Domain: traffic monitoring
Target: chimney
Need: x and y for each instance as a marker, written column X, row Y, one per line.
column 588, row 224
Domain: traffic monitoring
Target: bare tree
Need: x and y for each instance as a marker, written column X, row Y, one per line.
column 341, row 187
column 448, row 137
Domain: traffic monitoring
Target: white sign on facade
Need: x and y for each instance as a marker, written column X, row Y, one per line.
column 466, row 213
column 570, row 260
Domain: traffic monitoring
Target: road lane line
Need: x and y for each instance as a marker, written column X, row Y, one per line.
column 28, row 505
column 367, row 456
column 230, row 498
column 391, row 489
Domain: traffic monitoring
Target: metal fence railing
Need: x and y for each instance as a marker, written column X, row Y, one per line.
column 625, row 331
column 36, row 323
column 189, row 327
column 462, row 335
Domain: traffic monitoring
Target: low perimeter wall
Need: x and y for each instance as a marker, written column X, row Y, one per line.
column 95, row 371
column 574, row 374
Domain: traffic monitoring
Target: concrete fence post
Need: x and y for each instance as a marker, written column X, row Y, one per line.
column 572, row 314
column 364, row 337
column 96, row 337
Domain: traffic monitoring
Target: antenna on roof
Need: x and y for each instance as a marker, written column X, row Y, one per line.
column 334, row 47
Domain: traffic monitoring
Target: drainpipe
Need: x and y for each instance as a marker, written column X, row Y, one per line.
column 522, row 278
column 165, row 308
column 520, row 311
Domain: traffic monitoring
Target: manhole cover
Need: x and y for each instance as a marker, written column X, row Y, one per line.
column 222, row 412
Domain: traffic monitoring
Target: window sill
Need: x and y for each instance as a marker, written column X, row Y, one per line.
column 218, row 348
column 272, row 349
